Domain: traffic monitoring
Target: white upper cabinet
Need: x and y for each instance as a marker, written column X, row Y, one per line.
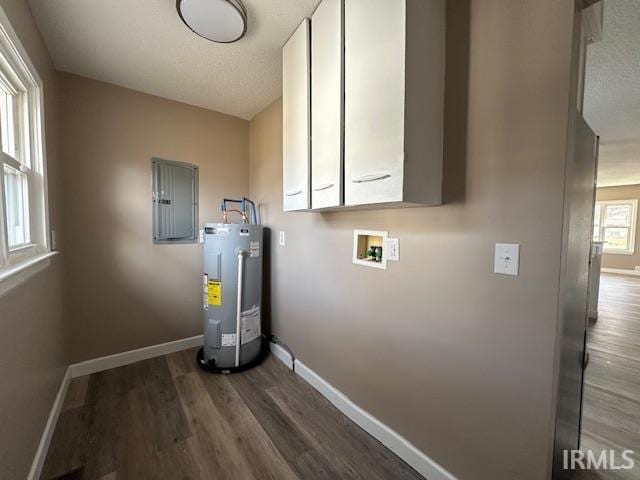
column 394, row 101
column 374, row 115
column 327, row 104
column 364, row 105
column 296, row 113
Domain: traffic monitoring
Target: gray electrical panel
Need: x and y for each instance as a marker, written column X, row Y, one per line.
column 175, row 201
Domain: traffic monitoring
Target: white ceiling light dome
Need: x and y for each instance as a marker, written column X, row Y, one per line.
column 221, row 21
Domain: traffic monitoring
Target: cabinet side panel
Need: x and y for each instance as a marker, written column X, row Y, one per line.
column 424, row 110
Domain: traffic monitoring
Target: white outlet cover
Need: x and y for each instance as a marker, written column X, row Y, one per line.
column 507, row 259
column 393, row 249
column 201, row 236
column 282, row 239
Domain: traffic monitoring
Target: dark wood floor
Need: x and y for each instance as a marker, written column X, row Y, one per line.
column 165, row 419
column 611, row 410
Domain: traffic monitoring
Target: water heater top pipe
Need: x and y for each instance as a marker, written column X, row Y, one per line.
column 243, row 202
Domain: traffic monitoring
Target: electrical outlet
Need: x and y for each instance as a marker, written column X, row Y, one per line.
column 393, row 249
column 637, row 268
column 54, row 242
column 282, row 239
column 201, row 236
column 507, row 259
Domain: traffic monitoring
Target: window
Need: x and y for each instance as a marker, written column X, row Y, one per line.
column 23, row 202
column 615, row 225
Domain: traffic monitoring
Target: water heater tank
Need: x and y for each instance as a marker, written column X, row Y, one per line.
column 232, row 297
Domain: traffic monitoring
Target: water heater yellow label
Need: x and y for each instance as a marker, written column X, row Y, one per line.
column 215, row 293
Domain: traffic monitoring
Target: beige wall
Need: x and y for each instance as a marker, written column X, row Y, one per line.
column 613, row 260
column 123, row 292
column 455, row 358
column 33, row 331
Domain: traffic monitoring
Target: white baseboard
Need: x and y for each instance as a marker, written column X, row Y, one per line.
column 133, row 356
column 47, row 435
column 282, row 354
column 385, row 435
column 388, row 437
column 621, row 271
column 93, row 366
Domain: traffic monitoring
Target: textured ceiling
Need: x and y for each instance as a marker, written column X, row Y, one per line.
column 143, row 45
column 612, row 93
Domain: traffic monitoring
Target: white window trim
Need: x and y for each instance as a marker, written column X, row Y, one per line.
column 632, row 228
column 13, row 273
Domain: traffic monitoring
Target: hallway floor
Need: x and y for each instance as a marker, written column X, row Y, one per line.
column 166, row 419
column 611, row 410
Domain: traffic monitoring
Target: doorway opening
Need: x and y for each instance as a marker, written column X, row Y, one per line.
column 611, row 385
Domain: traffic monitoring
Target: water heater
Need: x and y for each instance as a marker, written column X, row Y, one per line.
column 232, row 296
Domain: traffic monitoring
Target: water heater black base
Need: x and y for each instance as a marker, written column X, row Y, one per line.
column 211, row 367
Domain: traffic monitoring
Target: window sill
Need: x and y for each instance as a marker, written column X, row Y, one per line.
column 609, row 252
column 21, row 248
column 14, row 276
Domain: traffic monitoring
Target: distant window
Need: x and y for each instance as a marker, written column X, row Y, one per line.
column 23, row 213
column 615, row 225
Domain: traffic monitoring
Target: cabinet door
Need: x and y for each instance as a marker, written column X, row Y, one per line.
column 374, row 100
column 327, row 100
column 296, row 79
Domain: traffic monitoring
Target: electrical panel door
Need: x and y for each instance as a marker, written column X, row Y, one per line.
column 175, row 201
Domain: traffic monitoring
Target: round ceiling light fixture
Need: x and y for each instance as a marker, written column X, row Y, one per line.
column 221, row 21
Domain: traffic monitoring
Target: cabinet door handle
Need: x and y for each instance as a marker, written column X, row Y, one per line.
column 293, row 194
column 371, row 177
column 325, row 186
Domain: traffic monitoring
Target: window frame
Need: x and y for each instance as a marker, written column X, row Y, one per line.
column 630, row 250
column 19, row 76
